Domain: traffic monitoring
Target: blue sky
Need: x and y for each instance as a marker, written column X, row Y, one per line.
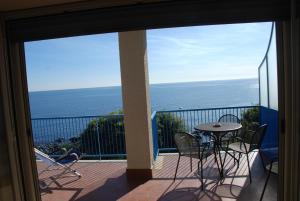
column 185, row 54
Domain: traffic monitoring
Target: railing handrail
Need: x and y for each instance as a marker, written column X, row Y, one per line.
column 153, row 113
column 269, row 45
column 202, row 109
column 70, row 117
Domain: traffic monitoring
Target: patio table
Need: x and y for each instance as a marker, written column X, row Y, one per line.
column 217, row 131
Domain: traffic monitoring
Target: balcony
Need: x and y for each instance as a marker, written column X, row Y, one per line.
column 103, row 137
column 108, row 181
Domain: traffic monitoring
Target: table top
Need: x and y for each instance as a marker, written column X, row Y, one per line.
column 218, row 127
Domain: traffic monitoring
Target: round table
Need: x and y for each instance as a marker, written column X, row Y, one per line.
column 218, row 130
column 218, row 127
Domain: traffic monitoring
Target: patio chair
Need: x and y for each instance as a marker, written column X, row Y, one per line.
column 189, row 145
column 229, row 118
column 229, row 135
column 204, row 137
column 243, row 147
column 64, row 163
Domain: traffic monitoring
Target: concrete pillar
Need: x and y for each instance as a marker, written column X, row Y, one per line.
column 136, row 103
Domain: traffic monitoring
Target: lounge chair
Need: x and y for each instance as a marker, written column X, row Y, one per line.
column 64, row 163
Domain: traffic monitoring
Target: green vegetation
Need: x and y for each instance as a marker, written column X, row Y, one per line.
column 109, row 131
column 250, row 121
column 167, row 126
column 59, row 146
column 104, row 135
column 250, row 118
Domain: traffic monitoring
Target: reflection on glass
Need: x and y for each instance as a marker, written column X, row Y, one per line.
column 272, row 70
column 263, row 85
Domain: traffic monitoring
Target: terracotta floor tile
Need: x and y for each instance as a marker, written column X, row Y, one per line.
column 107, row 181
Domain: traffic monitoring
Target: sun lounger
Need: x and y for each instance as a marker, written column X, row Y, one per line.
column 63, row 163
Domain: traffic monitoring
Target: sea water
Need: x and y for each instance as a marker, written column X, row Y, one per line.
column 171, row 96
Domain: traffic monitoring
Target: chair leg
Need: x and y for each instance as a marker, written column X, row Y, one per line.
column 216, row 161
column 225, row 157
column 262, row 160
column 191, row 163
column 215, row 152
column 201, row 171
column 238, row 162
column 233, row 157
column 177, row 167
column 265, row 186
column 247, row 154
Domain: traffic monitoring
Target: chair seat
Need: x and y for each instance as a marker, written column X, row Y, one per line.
column 194, row 152
column 239, row 147
column 270, row 153
column 69, row 159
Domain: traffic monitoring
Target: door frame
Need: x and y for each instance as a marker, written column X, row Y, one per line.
column 37, row 28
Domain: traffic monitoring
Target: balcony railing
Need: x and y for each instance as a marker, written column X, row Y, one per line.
column 169, row 122
column 98, row 137
column 103, row 137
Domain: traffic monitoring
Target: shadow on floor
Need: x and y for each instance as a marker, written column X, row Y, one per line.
column 72, row 193
column 189, row 194
column 112, row 189
column 108, row 182
column 254, row 189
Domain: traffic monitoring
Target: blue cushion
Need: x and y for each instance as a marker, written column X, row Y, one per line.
column 68, row 159
column 270, row 153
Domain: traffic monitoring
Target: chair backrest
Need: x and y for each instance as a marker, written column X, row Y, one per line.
column 229, row 118
column 258, row 137
column 186, row 143
column 69, row 156
column 44, row 157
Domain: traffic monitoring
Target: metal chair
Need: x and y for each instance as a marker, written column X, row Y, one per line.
column 229, row 118
column 242, row 147
column 232, row 119
column 189, row 145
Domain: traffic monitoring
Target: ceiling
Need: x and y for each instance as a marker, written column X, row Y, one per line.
column 12, row 5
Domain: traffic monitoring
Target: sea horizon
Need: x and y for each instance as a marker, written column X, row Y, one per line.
column 151, row 84
column 164, row 96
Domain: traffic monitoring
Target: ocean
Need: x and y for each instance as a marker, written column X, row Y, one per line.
column 171, row 96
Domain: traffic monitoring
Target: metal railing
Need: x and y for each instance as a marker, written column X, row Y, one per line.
column 170, row 122
column 97, row 137
column 103, row 137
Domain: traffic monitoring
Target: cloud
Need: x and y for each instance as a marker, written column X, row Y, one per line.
column 207, row 52
column 174, row 55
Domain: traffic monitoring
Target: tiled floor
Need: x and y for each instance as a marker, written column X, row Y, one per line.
column 107, row 181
